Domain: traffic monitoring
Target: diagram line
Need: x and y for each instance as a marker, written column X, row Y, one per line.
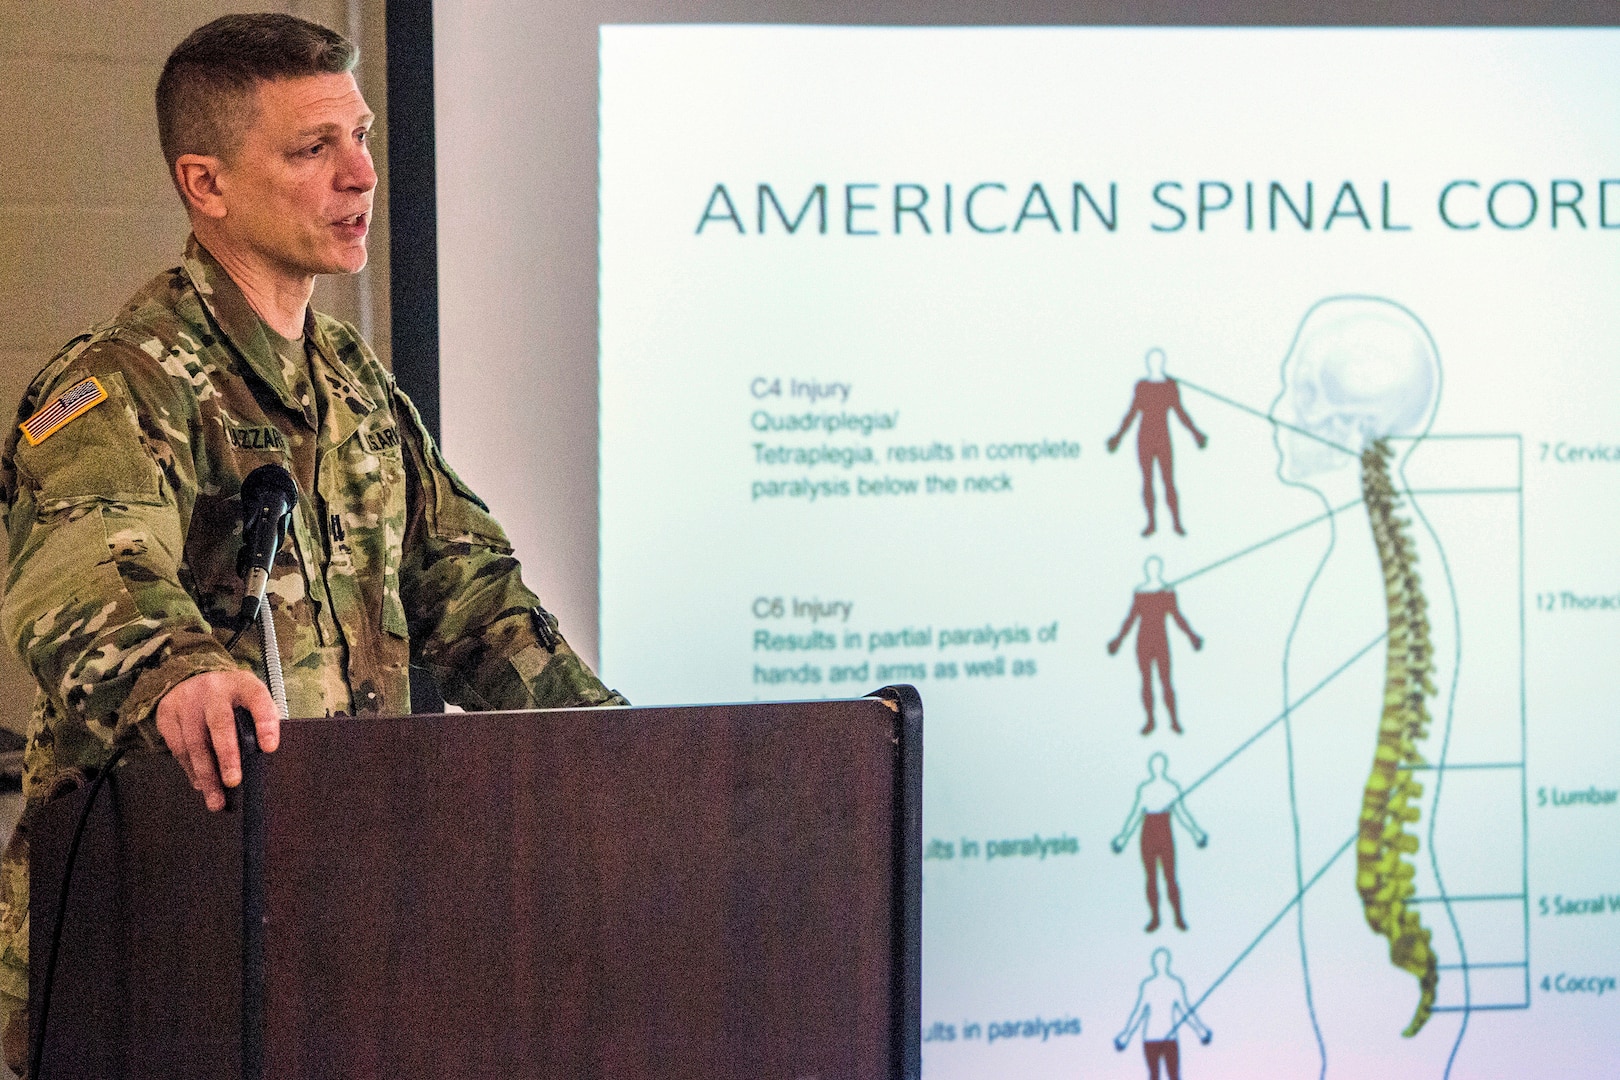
column 1485, row 967
column 1448, row 767
column 1317, row 520
column 1288, row 704
column 1270, row 926
column 1524, row 742
column 1448, row 898
column 1479, row 1008
column 1268, row 419
column 1445, row 750
column 1463, row 491
column 1246, row 743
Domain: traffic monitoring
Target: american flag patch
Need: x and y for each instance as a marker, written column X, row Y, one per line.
column 71, row 403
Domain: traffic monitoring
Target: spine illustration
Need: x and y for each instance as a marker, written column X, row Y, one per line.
column 1384, row 877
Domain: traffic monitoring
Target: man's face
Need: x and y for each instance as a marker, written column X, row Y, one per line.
column 298, row 189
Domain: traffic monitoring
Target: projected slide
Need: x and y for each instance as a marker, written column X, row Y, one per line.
column 1221, row 429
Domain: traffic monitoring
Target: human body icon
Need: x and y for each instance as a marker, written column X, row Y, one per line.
column 1161, row 1009
column 1154, row 399
column 1158, row 799
column 1153, row 603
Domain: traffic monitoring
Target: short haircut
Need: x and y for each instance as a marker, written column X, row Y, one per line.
column 205, row 94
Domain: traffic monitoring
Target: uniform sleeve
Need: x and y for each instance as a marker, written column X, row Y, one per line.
column 473, row 623
column 93, row 602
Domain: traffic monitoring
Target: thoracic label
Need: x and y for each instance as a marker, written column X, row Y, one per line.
column 1384, row 877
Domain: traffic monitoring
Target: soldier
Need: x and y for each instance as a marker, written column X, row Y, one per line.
column 121, row 482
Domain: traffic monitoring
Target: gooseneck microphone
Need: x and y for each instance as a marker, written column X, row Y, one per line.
column 268, row 497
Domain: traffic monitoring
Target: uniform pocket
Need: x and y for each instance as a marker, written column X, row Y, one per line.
column 363, row 483
column 393, row 608
column 459, row 516
column 453, row 511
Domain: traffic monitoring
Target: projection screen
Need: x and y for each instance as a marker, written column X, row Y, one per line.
column 1219, row 426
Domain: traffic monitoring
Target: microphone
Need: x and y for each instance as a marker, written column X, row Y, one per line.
column 269, row 494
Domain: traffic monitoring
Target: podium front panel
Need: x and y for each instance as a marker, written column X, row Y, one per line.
column 648, row 892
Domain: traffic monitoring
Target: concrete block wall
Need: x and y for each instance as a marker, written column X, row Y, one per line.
column 87, row 213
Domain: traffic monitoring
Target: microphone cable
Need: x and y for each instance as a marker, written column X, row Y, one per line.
column 268, row 495
column 37, row 1058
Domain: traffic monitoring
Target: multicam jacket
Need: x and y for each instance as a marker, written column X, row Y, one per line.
column 125, row 524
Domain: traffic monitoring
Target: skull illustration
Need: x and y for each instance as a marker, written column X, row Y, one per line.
column 1360, row 369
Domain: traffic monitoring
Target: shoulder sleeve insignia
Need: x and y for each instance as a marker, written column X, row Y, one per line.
column 70, row 404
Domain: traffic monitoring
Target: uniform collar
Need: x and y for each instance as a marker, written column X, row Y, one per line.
column 247, row 332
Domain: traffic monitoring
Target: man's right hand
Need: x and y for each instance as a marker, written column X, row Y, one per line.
column 198, row 721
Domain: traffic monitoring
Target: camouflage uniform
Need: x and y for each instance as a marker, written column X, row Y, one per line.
column 125, row 524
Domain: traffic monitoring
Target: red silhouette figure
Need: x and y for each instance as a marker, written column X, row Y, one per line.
column 1155, row 398
column 1154, row 602
column 1158, row 799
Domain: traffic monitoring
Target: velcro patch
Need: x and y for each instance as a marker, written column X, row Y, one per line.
column 255, row 438
column 70, row 404
column 382, row 438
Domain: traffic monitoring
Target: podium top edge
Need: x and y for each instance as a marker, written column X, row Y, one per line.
column 903, row 700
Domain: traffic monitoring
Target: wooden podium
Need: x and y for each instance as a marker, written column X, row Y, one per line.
column 704, row 892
